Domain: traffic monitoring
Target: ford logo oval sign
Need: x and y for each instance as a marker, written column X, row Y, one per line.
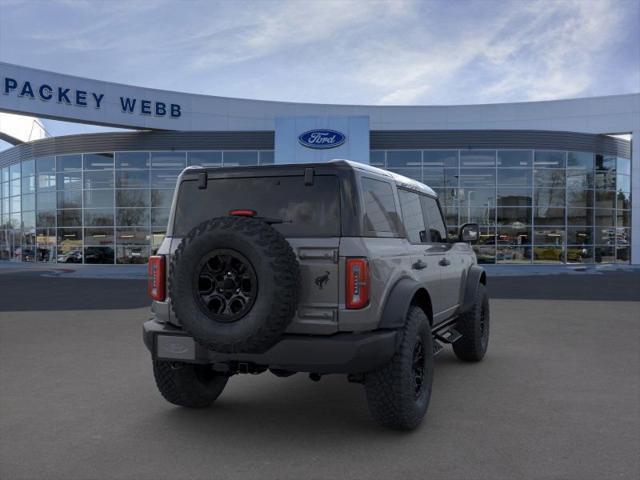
column 322, row 138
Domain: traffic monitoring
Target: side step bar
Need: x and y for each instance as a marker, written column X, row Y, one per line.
column 445, row 333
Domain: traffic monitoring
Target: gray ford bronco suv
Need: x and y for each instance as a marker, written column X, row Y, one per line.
column 323, row 268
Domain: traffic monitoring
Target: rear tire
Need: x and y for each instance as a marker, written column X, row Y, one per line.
column 188, row 385
column 474, row 328
column 398, row 394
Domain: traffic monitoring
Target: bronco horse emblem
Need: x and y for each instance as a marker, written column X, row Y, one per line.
column 322, row 280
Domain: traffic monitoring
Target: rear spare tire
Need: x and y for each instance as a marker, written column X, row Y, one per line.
column 234, row 284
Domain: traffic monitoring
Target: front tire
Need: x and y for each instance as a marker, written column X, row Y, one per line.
column 188, row 385
column 398, row 394
column 474, row 328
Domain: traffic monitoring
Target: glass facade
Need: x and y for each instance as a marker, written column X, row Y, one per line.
column 533, row 206
column 105, row 207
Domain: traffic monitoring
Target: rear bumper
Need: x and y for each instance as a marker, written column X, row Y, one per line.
column 339, row 353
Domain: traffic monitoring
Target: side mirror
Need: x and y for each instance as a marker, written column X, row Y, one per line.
column 469, row 232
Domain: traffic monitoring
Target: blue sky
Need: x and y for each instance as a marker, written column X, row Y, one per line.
column 361, row 52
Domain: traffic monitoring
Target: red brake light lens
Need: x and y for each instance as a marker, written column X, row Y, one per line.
column 242, row 212
column 357, row 283
column 156, row 281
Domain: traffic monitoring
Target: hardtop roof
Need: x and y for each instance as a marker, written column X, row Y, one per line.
column 298, row 168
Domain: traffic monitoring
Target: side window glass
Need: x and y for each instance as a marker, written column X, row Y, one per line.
column 412, row 215
column 433, row 218
column 380, row 212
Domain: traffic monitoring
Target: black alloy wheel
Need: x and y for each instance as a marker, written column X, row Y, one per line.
column 225, row 285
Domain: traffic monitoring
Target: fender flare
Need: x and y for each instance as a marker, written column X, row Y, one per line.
column 396, row 307
column 475, row 276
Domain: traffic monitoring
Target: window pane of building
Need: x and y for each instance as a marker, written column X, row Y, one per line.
column 132, row 179
column 68, row 162
column 583, row 160
column 266, row 157
column 98, row 198
column 132, row 217
column 404, row 158
column 70, row 199
column 477, row 177
column 477, row 158
column 376, row 158
column 440, row 158
column 98, row 179
column 161, row 198
column 132, row 198
column 45, row 165
column 204, row 159
column 46, row 200
column 231, row 158
column 69, row 180
column 28, row 168
column 176, row 160
column 549, row 159
column 98, row 217
column 164, row 178
column 515, row 158
column 70, row 218
column 139, row 160
column 98, row 161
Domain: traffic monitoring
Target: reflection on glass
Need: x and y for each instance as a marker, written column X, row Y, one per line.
column 164, row 178
column 583, row 160
column 138, row 254
column 376, row 158
column 46, row 218
column 134, row 217
column 46, row 200
column 402, row 158
column 98, row 217
column 580, row 254
column 205, row 159
column 161, row 198
column 70, row 199
column 515, row 255
column 548, row 216
column 168, row 160
column 98, row 198
column 266, row 157
column 580, row 235
column 514, row 197
column 515, row 158
column 477, row 177
column 70, row 218
column 548, row 254
column 138, row 160
column 68, row 162
column 69, row 180
column 230, row 159
column 98, row 161
column 440, row 158
column 549, row 236
column 477, row 158
column 605, row 254
column 98, row 179
column 549, row 159
column 132, row 236
column 132, row 198
column 132, row 179
column 98, row 255
column 45, row 165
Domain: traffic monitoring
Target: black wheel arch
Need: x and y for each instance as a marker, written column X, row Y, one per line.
column 475, row 276
column 403, row 294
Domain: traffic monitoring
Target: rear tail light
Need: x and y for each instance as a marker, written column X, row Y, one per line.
column 156, row 277
column 242, row 212
column 357, row 283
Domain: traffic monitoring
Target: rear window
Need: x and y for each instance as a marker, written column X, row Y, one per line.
column 305, row 210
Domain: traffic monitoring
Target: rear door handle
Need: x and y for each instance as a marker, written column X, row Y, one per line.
column 444, row 262
column 419, row 265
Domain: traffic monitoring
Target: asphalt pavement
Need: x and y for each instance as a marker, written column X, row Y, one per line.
column 557, row 397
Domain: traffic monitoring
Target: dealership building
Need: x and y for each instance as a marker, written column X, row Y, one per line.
column 548, row 182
